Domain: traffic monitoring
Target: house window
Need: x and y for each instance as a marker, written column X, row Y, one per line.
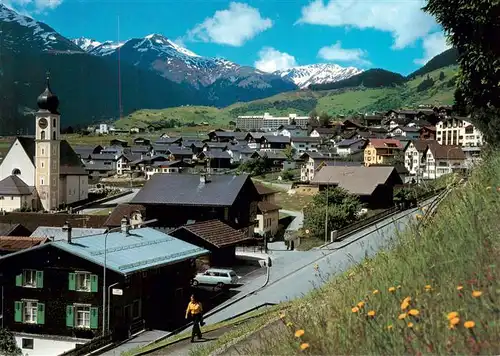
column 82, row 316
column 136, row 309
column 30, row 312
column 28, row 344
column 29, row 278
column 83, row 282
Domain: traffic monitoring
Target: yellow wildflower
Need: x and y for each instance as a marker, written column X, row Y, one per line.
column 413, row 312
column 304, row 346
column 299, row 333
column 455, row 321
column 452, row 315
column 289, row 324
column 410, row 325
column 477, row 293
column 355, row 309
column 398, row 287
column 469, row 324
column 375, row 291
column 460, row 287
column 428, row 287
column 361, row 304
column 389, row 327
column 402, row 316
column 371, row 313
column 392, row 289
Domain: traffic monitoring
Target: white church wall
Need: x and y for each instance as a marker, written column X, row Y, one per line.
column 17, row 158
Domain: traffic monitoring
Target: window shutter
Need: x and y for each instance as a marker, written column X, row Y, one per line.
column 19, row 280
column 93, row 282
column 18, row 311
column 72, row 281
column 70, row 316
column 40, row 317
column 39, row 279
column 94, row 317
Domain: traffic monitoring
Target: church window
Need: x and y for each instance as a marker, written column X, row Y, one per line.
column 43, row 151
column 53, row 135
column 54, row 123
column 42, row 181
column 42, row 135
column 43, row 164
column 16, row 172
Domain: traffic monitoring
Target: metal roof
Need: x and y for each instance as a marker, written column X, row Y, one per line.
column 188, row 189
column 141, row 249
column 57, row 233
column 13, row 185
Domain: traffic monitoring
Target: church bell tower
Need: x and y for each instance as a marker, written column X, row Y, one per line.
column 48, row 143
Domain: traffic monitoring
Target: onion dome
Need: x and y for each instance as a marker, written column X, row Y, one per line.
column 48, row 101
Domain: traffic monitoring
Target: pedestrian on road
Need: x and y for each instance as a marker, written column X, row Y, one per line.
column 195, row 311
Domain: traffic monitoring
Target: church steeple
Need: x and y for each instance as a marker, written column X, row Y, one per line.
column 48, row 101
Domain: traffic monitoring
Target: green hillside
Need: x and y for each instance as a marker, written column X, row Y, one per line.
column 437, row 89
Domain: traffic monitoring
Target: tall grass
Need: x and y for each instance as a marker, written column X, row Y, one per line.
column 449, row 265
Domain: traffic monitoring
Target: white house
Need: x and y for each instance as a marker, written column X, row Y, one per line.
column 314, row 161
column 46, row 162
column 458, row 131
column 350, row 146
column 292, row 131
column 409, row 132
column 103, row 129
column 440, row 160
column 303, row 144
column 413, row 156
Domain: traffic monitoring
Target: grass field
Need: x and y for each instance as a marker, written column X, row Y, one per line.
column 333, row 102
column 436, row 291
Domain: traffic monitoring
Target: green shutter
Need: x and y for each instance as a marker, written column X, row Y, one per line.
column 39, row 279
column 18, row 311
column 70, row 316
column 40, row 317
column 93, row 282
column 19, row 280
column 94, row 317
column 72, row 281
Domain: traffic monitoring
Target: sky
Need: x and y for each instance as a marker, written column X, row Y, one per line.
column 268, row 34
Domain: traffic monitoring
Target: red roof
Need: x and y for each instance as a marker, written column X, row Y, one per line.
column 215, row 232
column 17, row 243
column 385, row 143
column 265, row 206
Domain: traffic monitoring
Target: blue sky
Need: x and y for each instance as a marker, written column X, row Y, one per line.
column 269, row 34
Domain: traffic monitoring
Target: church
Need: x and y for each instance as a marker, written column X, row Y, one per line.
column 42, row 172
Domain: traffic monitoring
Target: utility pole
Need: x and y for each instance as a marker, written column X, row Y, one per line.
column 326, row 215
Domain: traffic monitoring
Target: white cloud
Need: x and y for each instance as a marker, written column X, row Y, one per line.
column 405, row 20
column 433, row 44
column 24, row 7
column 271, row 60
column 233, row 26
column 335, row 52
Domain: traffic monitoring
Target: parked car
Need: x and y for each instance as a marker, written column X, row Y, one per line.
column 216, row 277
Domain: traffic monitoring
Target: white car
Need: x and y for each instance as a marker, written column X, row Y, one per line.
column 217, row 277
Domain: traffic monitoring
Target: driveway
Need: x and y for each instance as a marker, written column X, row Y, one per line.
column 112, row 203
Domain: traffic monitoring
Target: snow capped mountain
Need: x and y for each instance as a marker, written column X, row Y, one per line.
column 86, row 44
column 303, row 76
column 21, row 32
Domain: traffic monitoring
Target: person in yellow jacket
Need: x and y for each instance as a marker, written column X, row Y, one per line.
column 195, row 311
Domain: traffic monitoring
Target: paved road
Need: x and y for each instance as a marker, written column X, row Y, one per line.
column 296, row 223
column 112, row 203
column 292, row 274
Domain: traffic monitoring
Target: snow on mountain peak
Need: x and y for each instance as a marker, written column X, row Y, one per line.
column 86, row 44
column 161, row 40
column 320, row 73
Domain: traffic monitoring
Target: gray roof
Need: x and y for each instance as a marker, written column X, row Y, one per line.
column 142, row 249
column 218, row 145
column 359, row 180
column 306, row 139
column 276, row 155
column 13, row 185
column 276, row 139
column 216, row 154
column 349, row 142
column 187, row 189
column 57, row 233
column 180, row 151
column 98, row 166
column 104, row 157
column 168, row 141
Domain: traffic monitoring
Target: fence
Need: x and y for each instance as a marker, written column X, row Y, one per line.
column 94, row 344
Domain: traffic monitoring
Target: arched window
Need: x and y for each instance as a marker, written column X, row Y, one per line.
column 42, row 135
column 16, row 171
column 53, row 135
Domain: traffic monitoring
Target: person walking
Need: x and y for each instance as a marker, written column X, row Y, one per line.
column 195, row 311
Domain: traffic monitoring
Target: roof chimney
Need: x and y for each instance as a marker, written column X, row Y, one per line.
column 125, row 225
column 67, row 228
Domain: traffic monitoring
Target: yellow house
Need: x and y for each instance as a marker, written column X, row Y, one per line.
column 381, row 151
column 268, row 214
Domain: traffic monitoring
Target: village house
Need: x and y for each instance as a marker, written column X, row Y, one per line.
column 176, row 199
column 254, row 140
column 118, row 142
column 350, row 147
column 427, row 133
column 216, row 146
column 411, row 133
column 16, row 195
column 304, row 143
column 85, row 151
column 13, row 229
column 381, row 151
column 373, row 185
column 268, row 214
column 135, row 214
column 325, row 133
column 53, row 292
column 292, row 131
column 141, row 141
column 103, row 164
column 219, row 161
column 277, row 160
column 228, row 136
column 458, row 131
column 168, row 166
column 270, row 142
column 414, row 156
column 442, row 159
column 314, row 161
column 372, row 120
column 169, row 141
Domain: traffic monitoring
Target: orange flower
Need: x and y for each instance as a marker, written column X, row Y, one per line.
column 299, row 333
column 460, row 287
column 477, row 293
column 355, row 309
column 469, row 324
column 402, row 316
column 413, row 312
column 410, row 325
column 389, row 327
column 392, row 289
column 371, row 313
column 428, row 287
column 304, row 346
column 375, row 291
column 406, row 303
column 452, row 315
column 361, row 304
column 454, row 321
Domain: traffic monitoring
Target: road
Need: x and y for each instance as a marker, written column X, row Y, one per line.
column 112, row 203
column 292, row 274
column 296, row 223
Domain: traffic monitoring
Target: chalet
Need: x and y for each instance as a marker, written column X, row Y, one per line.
column 216, row 146
column 142, row 150
column 179, row 153
column 255, row 139
column 11, row 244
column 303, row 144
column 103, row 165
column 175, row 141
column 141, row 164
column 400, row 114
column 16, row 195
column 270, row 142
column 268, row 212
column 427, row 133
column 219, row 160
column 175, row 199
column 411, row 133
column 314, row 161
column 118, row 142
column 372, row 120
column 195, row 145
column 292, row 131
column 54, row 293
column 215, row 236
column 381, row 151
column 85, row 151
column 352, row 125
column 373, row 185
column 413, row 156
column 135, row 213
column 114, row 150
column 442, row 159
column 349, row 147
column 141, row 141
column 239, row 153
column 277, row 159
column 170, row 166
column 228, row 136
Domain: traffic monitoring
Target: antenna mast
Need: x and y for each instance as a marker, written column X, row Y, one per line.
column 120, row 110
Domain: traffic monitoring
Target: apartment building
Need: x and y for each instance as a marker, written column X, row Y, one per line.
column 458, row 131
column 268, row 122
